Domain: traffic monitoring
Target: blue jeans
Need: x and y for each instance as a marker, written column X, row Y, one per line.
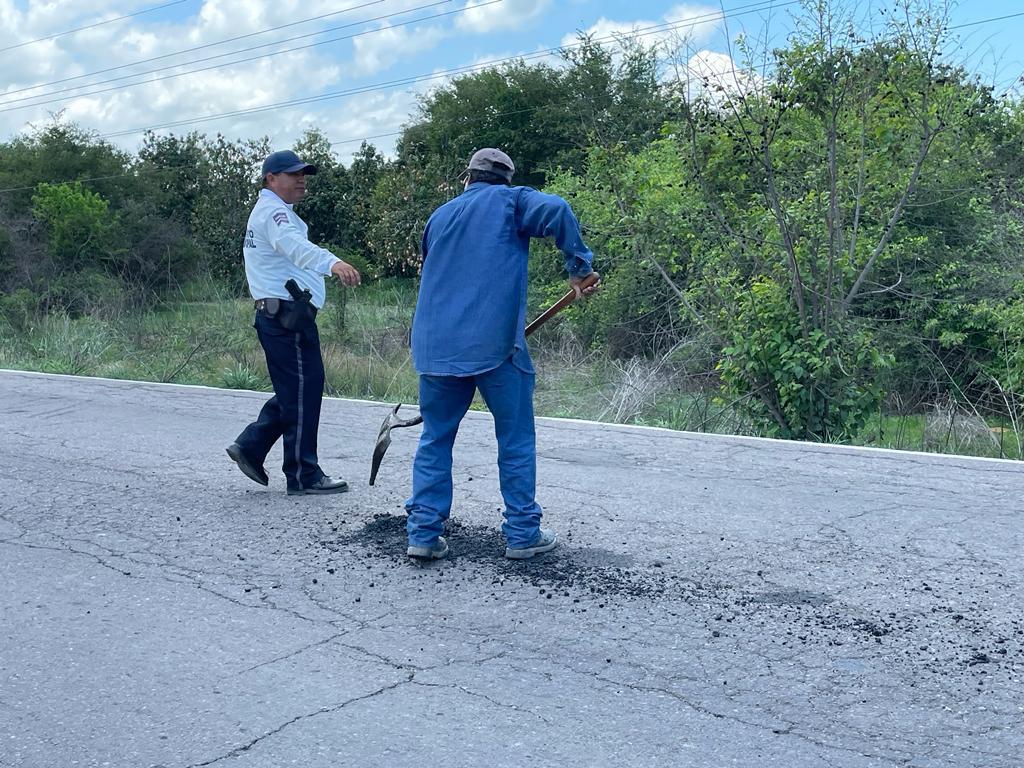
column 296, row 370
column 444, row 400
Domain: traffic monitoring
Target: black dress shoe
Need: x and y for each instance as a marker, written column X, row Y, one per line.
column 250, row 470
column 324, row 485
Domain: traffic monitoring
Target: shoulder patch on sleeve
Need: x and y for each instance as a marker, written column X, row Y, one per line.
column 280, row 218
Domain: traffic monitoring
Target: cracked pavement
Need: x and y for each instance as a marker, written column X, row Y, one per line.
column 716, row 601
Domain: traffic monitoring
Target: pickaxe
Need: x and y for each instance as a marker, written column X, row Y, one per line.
column 392, row 421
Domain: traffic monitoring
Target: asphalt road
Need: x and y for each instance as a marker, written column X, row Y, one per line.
column 717, row 601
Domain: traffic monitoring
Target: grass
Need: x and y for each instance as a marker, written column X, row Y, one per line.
column 943, row 433
column 213, row 343
column 364, row 336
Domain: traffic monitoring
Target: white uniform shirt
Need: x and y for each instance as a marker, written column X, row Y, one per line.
column 277, row 249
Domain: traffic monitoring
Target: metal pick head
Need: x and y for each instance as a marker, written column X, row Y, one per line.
column 384, row 437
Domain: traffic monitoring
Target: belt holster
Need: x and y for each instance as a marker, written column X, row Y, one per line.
column 299, row 314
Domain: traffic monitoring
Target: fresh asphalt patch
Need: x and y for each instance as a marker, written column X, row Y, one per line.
column 935, row 639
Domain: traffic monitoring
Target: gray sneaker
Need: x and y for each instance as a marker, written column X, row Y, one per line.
column 436, row 552
column 546, row 541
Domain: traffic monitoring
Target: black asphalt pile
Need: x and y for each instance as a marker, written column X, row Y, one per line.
column 569, row 571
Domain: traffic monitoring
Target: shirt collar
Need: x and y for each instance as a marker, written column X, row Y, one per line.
column 271, row 195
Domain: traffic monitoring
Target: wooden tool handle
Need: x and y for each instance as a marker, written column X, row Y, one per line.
column 562, row 303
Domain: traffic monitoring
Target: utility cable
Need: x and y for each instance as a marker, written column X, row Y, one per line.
column 190, row 50
column 760, row 3
column 5, row 108
column 642, row 32
column 92, row 26
column 385, row 85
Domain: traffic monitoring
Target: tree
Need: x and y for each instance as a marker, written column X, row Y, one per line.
column 830, row 150
column 323, row 207
column 231, row 171
column 58, row 152
column 79, row 224
column 357, row 210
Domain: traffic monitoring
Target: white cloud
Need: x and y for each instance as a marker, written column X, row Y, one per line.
column 224, row 89
column 695, row 23
column 389, row 45
column 485, row 16
column 370, row 116
column 715, row 77
column 688, row 24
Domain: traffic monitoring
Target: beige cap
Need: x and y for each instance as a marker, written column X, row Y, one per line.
column 493, row 160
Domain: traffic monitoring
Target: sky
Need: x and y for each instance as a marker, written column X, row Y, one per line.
column 365, row 62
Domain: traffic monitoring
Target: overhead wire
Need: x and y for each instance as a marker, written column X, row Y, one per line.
column 174, row 75
column 55, row 35
column 410, row 80
column 725, row 13
column 229, row 40
column 759, row 5
column 548, row 52
column 413, row 79
column 183, row 51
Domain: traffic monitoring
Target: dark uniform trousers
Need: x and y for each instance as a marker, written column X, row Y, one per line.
column 297, row 372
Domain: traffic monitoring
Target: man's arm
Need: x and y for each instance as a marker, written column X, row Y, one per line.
column 543, row 215
column 286, row 239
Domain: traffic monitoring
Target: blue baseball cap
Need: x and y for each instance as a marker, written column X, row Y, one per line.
column 286, row 161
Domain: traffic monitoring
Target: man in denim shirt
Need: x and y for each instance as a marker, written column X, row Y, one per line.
column 468, row 333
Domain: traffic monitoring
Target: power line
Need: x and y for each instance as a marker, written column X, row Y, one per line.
column 757, row 6
column 641, row 32
column 637, row 33
column 722, row 14
column 193, row 50
column 5, row 108
column 986, row 21
column 92, row 26
column 382, row 135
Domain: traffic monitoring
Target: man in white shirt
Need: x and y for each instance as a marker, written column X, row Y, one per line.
column 277, row 250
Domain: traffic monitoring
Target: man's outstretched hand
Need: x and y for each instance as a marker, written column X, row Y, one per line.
column 346, row 273
column 576, row 284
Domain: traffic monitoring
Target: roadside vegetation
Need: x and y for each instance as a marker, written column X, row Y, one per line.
column 826, row 245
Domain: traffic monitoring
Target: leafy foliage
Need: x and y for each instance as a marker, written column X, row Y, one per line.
column 833, row 236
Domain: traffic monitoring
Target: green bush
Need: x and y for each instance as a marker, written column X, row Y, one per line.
column 367, row 270
column 79, row 223
column 88, row 292
column 242, row 376
column 808, row 387
column 6, row 251
column 20, row 309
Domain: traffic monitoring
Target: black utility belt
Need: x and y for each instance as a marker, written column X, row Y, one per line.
column 292, row 315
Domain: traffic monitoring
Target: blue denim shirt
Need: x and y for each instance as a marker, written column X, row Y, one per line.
column 471, row 312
